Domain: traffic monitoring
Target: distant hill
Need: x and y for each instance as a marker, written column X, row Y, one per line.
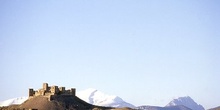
column 179, row 107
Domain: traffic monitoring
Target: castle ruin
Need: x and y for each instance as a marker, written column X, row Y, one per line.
column 50, row 91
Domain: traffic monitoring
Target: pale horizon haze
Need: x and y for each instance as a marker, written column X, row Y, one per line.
column 145, row 51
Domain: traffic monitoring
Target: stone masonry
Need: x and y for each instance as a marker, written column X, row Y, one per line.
column 50, row 91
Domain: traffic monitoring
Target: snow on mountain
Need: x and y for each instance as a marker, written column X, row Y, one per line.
column 13, row 101
column 186, row 101
column 96, row 97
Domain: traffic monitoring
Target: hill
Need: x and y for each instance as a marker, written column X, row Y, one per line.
column 60, row 102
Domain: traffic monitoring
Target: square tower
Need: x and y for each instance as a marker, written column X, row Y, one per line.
column 73, row 91
column 31, row 92
column 54, row 90
column 62, row 89
column 45, row 86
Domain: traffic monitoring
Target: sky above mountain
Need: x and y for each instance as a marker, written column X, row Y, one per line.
column 147, row 52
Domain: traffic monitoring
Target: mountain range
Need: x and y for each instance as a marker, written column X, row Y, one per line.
column 95, row 97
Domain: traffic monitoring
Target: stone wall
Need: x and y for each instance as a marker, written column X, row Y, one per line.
column 51, row 90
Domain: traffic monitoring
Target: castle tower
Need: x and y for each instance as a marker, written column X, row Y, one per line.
column 73, row 91
column 62, row 89
column 45, row 86
column 54, row 90
column 31, row 92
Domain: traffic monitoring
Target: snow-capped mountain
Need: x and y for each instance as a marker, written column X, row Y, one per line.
column 186, row 101
column 13, row 101
column 96, row 97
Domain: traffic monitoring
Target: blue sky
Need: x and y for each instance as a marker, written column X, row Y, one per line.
column 146, row 52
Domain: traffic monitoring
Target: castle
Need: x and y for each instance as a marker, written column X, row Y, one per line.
column 50, row 91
